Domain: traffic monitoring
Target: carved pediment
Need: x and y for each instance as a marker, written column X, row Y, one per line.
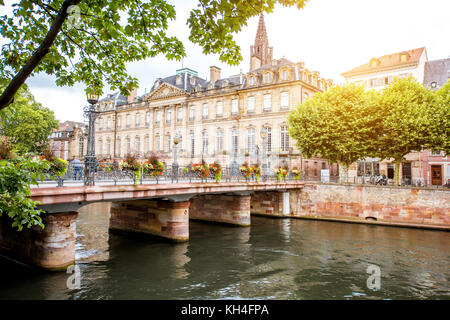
column 165, row 90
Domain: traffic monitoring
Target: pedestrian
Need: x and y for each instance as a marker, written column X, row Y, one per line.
column 77, row 168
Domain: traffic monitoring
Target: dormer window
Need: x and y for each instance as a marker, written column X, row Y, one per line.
column 404, row 57
column 179, row 80
column 268, row 78
column 373, row 63
column 285, row 75
column 210, row 85
column 192, row 81
column 252, row 81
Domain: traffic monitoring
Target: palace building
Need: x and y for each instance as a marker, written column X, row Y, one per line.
column 237, row 119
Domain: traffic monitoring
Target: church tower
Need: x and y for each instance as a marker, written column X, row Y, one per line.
column 260, row 53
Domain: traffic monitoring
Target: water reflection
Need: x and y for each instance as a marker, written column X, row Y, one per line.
column 273, row 259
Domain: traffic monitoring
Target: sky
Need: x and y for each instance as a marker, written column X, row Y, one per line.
column 329, row 36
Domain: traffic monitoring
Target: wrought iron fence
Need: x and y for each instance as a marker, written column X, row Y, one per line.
column 115, row 176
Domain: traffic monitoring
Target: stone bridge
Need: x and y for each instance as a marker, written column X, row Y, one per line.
column 161, row 210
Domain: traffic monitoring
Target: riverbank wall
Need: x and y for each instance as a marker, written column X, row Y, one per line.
column 387, row 205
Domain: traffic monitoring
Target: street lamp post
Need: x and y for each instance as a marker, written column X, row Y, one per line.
column 176, row 140
column 90, row 162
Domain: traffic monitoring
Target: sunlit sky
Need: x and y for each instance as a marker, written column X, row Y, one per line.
column 330, row 36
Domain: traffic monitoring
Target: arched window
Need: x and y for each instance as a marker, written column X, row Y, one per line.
column 251, row 140
column 146, row 144
column 234, row 141
column 119, row 148
column 268, row 77
column 157, row 142
column 284, row 139
column 100, row 147
column 219, row 140
column 108, row 147
column 205, row 142
column 127, row 145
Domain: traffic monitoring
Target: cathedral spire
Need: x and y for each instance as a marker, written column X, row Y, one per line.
column 260, row 52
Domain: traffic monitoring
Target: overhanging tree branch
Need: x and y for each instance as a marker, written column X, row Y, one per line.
column 38, row 55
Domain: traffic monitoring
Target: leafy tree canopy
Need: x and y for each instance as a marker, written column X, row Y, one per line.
column 440, row 113
column 27, row 122
column 339, row 124
column 92, row 42
column 406, row 107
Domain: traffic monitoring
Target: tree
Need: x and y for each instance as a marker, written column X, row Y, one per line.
column 440, row 113
column 407, row 121
column 339, row 124
column 91, row 41
column 27, row 122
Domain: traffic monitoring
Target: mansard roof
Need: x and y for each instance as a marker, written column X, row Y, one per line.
column 437, row 71
column 386, row 62
column 191, row 82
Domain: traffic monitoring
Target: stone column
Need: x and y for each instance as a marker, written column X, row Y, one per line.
column 51, row 248
column 231, row 209
column 163, row 218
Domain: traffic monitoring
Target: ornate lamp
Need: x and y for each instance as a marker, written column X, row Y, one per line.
column 90, row 163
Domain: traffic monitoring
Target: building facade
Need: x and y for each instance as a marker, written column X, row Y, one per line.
column 63, row 141
column 233, row 120
column 421, row 168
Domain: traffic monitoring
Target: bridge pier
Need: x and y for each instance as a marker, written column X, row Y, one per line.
column 232, row 209
column 273, row 204
column 51, row 248
column 163, row 218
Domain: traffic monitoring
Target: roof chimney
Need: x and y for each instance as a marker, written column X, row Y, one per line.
column 132, row 96
column 214, row 73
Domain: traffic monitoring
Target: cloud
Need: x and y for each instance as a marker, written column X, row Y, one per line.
column 329, row 36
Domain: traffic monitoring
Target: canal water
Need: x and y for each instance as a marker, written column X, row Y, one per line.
column 272, row 259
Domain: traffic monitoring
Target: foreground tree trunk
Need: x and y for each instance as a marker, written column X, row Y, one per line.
column 397, row 164
column 7, row 95
column 343, row 172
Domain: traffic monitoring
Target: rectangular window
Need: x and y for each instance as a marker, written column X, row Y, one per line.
column 267, row 102
column 205, row 111
column 219, row 110
column 234, row 141
column 191, row 113
column 158, row 116
column 269, row 140
column 119, row 121
column 219, row 141
column 169, row 115
column 251, row 141
column 234, row 106
column 284, row 100
column 180, row 114
column 192, row 144
column 138, row 120
column 284, row 139
column 205, row 143
column 251, row 105
column 147, row 118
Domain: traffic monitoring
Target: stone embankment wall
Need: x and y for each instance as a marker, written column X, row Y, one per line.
column 388, row 205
